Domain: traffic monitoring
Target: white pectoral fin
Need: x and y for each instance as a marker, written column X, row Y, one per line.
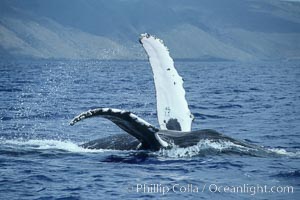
column 172, row 108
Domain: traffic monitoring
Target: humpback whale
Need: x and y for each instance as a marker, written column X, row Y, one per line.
column 174, row 117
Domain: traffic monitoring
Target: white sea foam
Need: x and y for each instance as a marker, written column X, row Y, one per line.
column 202, row 147
column 284, row 152
column 50, row 144
column 205, row 147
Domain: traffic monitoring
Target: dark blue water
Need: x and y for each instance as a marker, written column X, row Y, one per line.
column 40, row 157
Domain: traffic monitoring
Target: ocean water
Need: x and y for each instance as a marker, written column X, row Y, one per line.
column 40, row 156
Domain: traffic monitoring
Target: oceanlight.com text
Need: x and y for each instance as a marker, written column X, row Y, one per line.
column 164, row 189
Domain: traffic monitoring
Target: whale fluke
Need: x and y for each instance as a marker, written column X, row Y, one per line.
column 129, row 122
column 172, row 108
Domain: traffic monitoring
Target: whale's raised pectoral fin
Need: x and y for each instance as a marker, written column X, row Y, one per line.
column 172, row 108
column 129, row 122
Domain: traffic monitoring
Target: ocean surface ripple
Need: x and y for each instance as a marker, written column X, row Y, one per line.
column 41, row 156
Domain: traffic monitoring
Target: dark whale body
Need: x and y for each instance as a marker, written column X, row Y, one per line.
column 127, row 142
column 115, row 142
column 174, row 117
column 143, row 135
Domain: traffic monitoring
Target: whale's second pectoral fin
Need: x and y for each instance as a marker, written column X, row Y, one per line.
column 129, row 122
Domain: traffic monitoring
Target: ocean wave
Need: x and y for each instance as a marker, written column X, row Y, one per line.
column 205, row 116
column 289, row 174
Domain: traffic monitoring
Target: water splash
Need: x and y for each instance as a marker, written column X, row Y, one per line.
column 208, row 147
column 205, row 147
column 284, row 152
column 49, row 144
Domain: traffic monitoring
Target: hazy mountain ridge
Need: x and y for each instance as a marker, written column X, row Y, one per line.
column 225, row 30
